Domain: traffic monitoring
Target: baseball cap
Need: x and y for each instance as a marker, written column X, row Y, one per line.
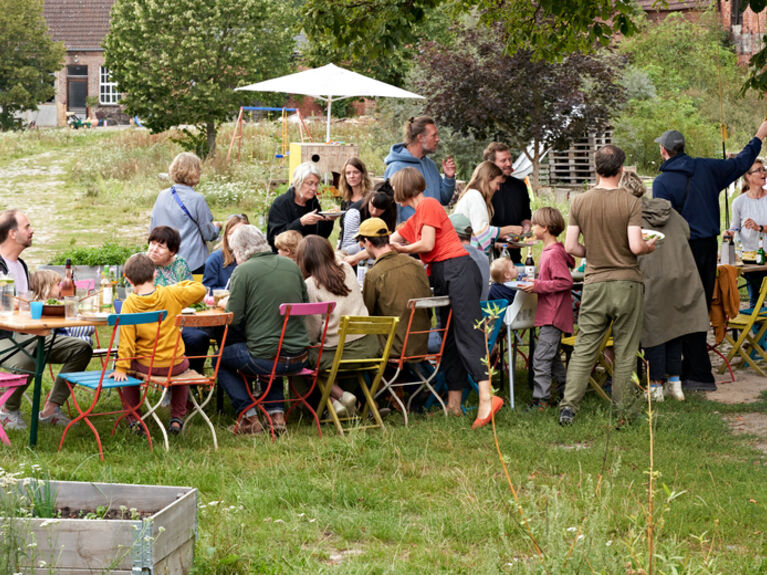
column 461, row 223
column 373, row 228
column 670, row 139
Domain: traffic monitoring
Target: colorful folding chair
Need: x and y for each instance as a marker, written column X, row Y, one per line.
column 423, row 366
column 598, row 377
column 751, row 328
column 358, row 368
column 289, row 310
column 9, row 382
column 99, row 380
column 190, row 376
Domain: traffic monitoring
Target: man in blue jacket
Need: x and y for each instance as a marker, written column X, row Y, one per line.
column 421, row 138
column 692, row 185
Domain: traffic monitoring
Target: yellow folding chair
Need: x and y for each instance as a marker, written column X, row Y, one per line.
column 357, row 368
column 596, row 379
column 751, row 328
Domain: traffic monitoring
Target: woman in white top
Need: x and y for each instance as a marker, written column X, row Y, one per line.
column 330, row 280
column 476, row 203
column 749, row 217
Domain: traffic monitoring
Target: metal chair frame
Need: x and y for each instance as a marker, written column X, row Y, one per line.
column 414, row 362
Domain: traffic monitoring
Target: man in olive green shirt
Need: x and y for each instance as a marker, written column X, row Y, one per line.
column 260, row 283
column 610, row 220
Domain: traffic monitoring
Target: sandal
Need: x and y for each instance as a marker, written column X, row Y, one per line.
column 175, row 425
column 136, row 428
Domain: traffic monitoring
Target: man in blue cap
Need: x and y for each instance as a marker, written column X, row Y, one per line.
column 692, row 185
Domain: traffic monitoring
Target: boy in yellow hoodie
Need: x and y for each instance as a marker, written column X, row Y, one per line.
column 138, row 340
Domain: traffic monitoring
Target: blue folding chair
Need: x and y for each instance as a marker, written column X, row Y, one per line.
column 99, row 380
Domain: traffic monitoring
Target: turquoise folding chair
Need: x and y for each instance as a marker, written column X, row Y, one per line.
column 99, row 380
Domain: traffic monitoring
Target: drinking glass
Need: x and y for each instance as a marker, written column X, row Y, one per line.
column 7, row 301
column 36, row 309
column 70, row 307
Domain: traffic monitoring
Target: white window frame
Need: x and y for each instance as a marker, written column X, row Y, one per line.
column 108, row 92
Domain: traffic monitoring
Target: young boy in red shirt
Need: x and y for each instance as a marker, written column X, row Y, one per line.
column 554, row 314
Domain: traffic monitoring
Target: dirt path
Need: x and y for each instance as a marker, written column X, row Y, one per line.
column 35, row 185
column 60, row 215
column 746, row 388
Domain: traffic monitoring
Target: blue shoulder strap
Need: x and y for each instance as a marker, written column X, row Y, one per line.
column 174, row 193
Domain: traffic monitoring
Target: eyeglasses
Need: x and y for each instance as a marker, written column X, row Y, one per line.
column 762, row 170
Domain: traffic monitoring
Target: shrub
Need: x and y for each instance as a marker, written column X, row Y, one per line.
column 109, row 254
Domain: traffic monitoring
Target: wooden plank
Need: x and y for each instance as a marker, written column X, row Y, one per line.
column 179, row 522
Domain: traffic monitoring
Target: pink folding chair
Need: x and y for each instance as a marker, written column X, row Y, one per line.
column 9, row 382
column 288, row 310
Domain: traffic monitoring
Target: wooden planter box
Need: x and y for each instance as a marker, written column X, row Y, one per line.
column 161, row 544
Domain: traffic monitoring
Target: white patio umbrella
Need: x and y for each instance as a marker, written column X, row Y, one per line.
column 330, row 84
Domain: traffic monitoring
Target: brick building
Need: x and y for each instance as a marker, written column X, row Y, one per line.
column 81, row 25
column 746, row 28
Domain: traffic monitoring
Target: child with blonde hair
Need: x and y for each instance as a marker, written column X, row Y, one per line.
column 45, row 285
column 502, row 270
column 287, row 243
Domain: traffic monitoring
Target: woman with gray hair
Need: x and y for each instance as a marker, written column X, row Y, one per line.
column 261, row 282
column 182, row 208
column 297, row 209
column 674, row 302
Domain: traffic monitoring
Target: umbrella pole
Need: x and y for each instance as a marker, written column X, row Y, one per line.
column 327, row 130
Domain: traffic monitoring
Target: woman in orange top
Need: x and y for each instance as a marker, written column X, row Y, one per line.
column 452, row 272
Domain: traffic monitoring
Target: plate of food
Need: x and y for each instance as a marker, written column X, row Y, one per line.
column 54, row 307
column 331, row 213
column 749, row 257
column 647, row 235
column 188, row 311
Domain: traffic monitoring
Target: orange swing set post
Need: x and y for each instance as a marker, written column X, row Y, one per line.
column 237, row 133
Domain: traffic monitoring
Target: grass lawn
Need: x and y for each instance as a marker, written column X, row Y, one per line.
column 429, row 498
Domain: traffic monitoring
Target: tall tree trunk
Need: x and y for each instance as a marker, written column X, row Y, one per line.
column 210, row 129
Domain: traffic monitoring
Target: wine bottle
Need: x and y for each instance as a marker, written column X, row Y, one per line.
column 530, row 264
column 68, row 283
column 760, row 258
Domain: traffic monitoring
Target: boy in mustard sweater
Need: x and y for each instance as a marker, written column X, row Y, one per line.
column 138, row 340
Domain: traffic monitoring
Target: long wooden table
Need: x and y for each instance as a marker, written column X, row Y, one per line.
column 21, row 323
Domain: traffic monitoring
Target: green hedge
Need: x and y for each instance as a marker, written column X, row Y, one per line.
column 109, row 254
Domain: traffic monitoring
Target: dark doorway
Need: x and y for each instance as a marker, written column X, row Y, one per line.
column 77, row 88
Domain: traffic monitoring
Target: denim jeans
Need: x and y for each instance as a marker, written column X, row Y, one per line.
column 236, row 357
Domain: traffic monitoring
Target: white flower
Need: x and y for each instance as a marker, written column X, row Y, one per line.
column 572, row 529
column 609, row 542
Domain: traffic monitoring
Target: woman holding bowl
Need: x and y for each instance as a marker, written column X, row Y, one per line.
column 476, row 203
column 185, row 210
column 298, row 208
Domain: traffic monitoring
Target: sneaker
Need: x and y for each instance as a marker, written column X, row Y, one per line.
column 339, row 408
column 248, row 426
column 349, row 401
column 674, row 390
column 657, row 392
column 566, row 416
column 538, row 405
column 692, row 385
column 12, row 420
column 55, row 418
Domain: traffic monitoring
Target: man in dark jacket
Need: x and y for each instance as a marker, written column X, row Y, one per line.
column 692, row 185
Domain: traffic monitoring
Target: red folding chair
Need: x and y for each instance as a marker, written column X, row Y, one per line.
column 424, row 365
column 99, row 380
column 190, row 376
column 9, row 382
column 289, row 310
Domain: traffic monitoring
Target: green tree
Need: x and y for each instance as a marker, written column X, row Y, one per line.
column 28, row 58
column 178, row 61
column 477, row 89
column 683, row 76
column 374, row 37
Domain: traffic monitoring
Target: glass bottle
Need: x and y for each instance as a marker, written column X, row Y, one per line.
column 505, row 252
column 760, row 259
column 107, row 295
column 530, row 264
column 68, row 283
